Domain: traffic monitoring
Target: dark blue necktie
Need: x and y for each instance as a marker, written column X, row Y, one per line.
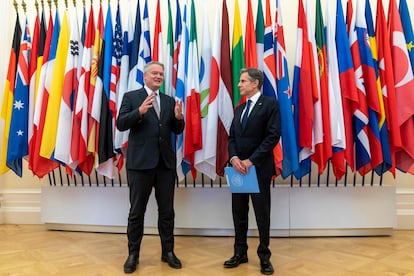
column 246, row 114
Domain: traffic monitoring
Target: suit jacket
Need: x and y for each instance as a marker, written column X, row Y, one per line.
column 149, row 137
column 260, row 135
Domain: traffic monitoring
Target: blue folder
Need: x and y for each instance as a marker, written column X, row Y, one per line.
column 242, row 183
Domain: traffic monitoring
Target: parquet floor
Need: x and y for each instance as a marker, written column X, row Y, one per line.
column 33, row 250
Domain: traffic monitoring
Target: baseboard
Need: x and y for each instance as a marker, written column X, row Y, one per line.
column 23, row 206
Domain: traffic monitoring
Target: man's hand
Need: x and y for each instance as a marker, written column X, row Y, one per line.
column 242, row 166
column 178, row 109
column 146, row 104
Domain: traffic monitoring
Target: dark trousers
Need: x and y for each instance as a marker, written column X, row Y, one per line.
column 261, row 206
column 141, row 183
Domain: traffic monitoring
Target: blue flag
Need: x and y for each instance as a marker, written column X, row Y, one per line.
column 18, row 135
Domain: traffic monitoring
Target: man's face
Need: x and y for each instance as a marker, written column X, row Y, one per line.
column 247, row 87
column 154, row 76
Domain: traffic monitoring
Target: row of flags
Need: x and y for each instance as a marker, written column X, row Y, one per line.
column 350, row 105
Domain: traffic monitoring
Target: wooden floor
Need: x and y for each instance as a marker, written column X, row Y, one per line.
column 33, row 250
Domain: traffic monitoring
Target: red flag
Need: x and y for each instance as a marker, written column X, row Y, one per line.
column 41, row 166
column 157, row 50
column 250, row 42
column 404, row 87
column 386, row 75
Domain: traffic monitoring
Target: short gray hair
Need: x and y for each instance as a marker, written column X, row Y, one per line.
column 146, row 66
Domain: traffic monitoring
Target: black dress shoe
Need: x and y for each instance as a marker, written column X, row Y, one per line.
column 266, row 267
column 130, row 264
column 236, row 260
column 172, row 260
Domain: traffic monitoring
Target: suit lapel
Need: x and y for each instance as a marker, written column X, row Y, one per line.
column 256, row 108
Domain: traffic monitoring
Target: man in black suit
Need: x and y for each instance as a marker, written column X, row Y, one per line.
column 151, row 118
column 254, row 132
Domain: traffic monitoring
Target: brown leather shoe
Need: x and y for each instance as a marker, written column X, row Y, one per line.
column 130, row 264
column 236, row 260
column 172, row 260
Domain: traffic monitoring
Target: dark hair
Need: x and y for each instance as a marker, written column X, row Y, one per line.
column 254, row 74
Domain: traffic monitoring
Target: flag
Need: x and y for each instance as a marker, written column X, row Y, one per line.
column 404, row 87
column 48, row 144
column 290, row 161
column 39, row 165
column 18, row 135
column 182, row 78
column 121, row 137
column 36, row 62
column 305, row 94
column 250, row 42
column 157, row 52
column 134, row 51
column 349, row 94
column 168, row 87
column 193, row 130
column 269, row 71
column 114, row 100
column 360, row 116
column 225, row 105
column 70, row 85
column 177, row 48
column 386, row 75
column 7, row 103
column 323, row 152
column 79, row 141
column 385, row 164
column 317, row 129
column 200, row 159
column 237, row 61
column 369, row 80
column 260, row 29
column 408, row 30
column 101, row 107
column 335, row 100
column 95, row 85
column 144, row 55
column 33, row 69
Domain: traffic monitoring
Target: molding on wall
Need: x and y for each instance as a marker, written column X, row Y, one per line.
column 405, row 208
column 23, row 206
column 20, row 206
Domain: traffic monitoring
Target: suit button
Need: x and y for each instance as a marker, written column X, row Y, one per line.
column 160, row 138
column 160, row 125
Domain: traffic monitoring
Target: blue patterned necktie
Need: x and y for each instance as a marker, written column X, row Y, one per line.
column 246, row 114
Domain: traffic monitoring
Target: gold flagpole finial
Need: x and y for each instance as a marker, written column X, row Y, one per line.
column 74, row 3
column 49, row 3
column 66, row 4
column 42, row 3
column 24, row 6
column 84, row 3
column 37, row 6
column 16, row 6
column 56, row 3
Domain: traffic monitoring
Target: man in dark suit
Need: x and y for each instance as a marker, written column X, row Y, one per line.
column 151, row 118
column 254, row 132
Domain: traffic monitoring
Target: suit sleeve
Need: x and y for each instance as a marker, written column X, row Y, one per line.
column 272, row 135
column 128, row 114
